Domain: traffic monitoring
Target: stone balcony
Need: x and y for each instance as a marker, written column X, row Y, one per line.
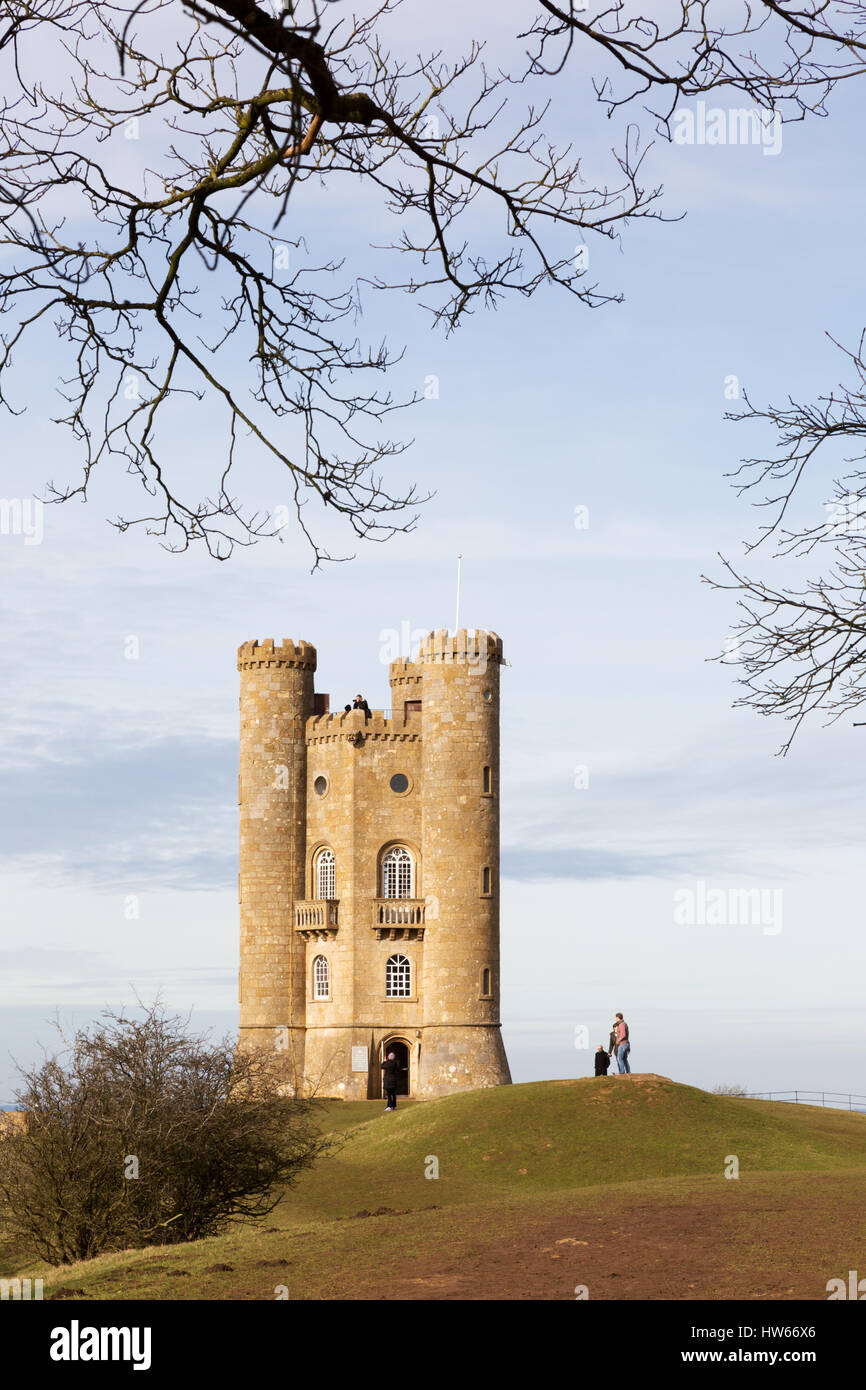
column 317, row 919
column 398, row 919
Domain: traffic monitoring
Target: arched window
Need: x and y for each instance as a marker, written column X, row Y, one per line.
column 326, row 874
column 485, row 981
column 398, row 873
column 321, row 978
column 398, row 978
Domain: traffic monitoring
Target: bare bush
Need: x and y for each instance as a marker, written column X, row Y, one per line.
column 138, row 1134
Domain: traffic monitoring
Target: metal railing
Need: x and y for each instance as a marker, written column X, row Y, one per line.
column 835, row 1100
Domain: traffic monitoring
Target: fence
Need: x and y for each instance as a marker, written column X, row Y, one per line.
column 835, row 1100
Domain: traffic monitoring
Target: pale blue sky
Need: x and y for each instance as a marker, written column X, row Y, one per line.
column 121, row 775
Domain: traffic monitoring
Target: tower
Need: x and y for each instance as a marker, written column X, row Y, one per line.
column 369, row 870
column 460, row 845
column 276, row 700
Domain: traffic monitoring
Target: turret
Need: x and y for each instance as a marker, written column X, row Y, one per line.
column 276, row 699
column 462, row 1043
column 406, row 679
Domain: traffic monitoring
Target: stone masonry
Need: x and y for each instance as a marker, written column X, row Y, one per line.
column 369, row 842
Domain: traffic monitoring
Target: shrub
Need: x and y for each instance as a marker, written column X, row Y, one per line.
column 138, row 1134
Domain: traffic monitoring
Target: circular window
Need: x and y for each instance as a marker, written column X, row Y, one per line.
column 399, row 783
column 320, row 786
column 487, row 695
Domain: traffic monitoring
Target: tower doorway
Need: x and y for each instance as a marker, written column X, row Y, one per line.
column 402, row 1057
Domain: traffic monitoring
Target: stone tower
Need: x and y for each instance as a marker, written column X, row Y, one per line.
column 369, row 870
column 276, row 703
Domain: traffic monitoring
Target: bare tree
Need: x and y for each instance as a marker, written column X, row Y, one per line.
column 184, row 277
column 803, row 651
column 140, row 1134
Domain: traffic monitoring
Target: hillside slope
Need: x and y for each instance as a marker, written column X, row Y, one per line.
column 554, row 1135
column 616, row 1185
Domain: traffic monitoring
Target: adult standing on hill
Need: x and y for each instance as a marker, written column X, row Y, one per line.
column 390, row 1073
column 623, row 1046
column 602, row 1061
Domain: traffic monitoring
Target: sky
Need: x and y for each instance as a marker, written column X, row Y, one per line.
column 630, row 787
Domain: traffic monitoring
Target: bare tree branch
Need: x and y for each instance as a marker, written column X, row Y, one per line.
column 193, row 278
column 782, row 59
column 804, row 651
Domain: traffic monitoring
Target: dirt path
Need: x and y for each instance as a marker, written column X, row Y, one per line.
column 769, row 1237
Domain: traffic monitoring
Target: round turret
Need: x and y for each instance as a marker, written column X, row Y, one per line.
column 276, row 699
column 460, row 848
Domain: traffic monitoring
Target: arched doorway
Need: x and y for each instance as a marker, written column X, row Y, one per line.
column 403, row 1057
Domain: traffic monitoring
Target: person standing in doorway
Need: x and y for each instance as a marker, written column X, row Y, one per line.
column 623, row 1046
column 390, row 1073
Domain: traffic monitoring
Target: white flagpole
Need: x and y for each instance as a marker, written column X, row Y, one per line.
column 457, row 611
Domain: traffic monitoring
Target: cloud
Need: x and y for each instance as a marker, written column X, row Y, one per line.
column 533, row 864
column 45, row 960
column 161, row 814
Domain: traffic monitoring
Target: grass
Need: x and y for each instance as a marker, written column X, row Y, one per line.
column 616, row 1184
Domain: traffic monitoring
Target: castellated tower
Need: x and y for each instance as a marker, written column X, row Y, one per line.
column 460, row 850
column 276, row 702
column 369, row 871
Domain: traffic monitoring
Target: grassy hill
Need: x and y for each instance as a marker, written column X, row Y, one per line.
column 616, row 1184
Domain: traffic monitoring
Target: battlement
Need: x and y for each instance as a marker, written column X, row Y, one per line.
column 404, row 671
column 470, row 646
column 350, row 724
column 301, row 655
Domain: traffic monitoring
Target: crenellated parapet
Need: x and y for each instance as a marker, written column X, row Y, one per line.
column 268, row 653
column 351, row 725
column 405, row 673
column 467, row 646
